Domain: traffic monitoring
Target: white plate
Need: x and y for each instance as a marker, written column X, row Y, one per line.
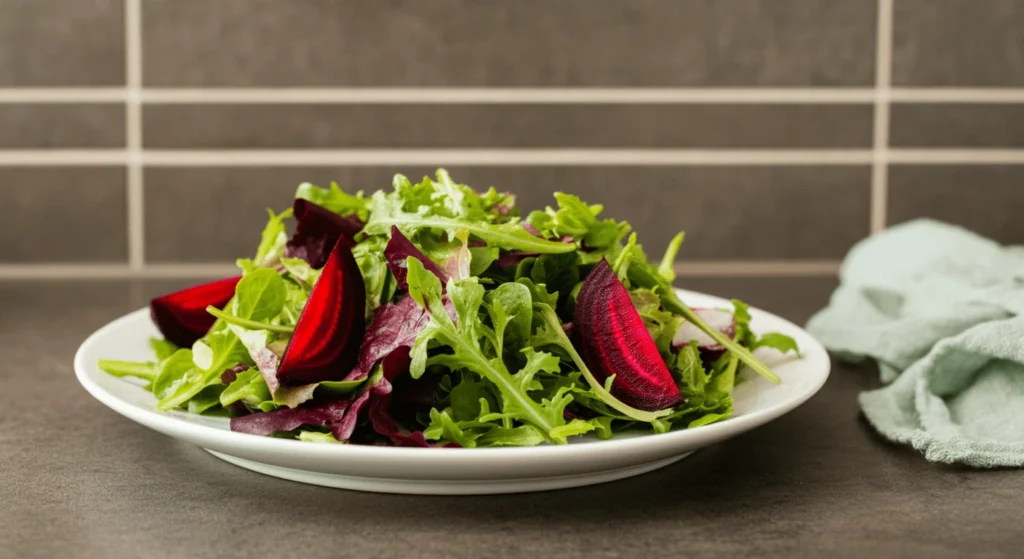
column 446, row 470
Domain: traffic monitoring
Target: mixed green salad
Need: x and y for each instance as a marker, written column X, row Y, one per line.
column 434, row 314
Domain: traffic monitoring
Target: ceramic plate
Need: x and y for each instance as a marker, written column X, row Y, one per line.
column 452, row 471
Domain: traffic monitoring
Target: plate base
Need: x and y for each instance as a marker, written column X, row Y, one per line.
column 444, row 487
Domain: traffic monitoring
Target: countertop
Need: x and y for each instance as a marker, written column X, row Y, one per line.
column 78, row 480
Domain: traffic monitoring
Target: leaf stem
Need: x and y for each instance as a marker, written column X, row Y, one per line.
column 249, row 324
column 739, row 351
column 618, row 405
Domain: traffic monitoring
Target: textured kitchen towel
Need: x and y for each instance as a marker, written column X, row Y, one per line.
column 942, row 312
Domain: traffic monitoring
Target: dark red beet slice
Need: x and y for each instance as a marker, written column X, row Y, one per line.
column 326, row 341
column 614, row 341
column 317, row 230
column 398, row 249
column 181, row 316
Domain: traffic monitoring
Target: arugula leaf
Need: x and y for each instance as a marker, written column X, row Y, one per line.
column 248, row 387
column 318, row 437
column 779, row 342
column 667, row 268
column 386, row 211
column 143, row 370
column 273, row 239
column 464, row 338
column 173, row 371
column 334, row 199
column 162, row 349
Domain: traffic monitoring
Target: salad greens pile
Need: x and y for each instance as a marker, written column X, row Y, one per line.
column 436, row 315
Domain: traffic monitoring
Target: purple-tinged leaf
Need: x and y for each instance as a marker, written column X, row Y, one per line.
column 229, row 375
column 398, row 249
column 317, row 230
column 394, row 327
column 329, row 414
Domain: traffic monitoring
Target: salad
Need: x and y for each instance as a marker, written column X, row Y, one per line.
column 436, row 315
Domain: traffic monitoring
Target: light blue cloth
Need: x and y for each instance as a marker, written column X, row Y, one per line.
column 940, row 309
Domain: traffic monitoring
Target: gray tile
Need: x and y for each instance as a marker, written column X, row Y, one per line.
column 958, row 43
column 509, row 43
column 58, row 125
column 216, row 214
column 490, row 125
column 793, row 298
column 728, row 213
column 957, row 125
column 63, row 214
column 983, row 198
column 61, row 43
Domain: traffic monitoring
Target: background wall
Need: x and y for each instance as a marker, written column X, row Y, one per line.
column 145, row 137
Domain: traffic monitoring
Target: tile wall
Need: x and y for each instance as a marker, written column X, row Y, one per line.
column 145, row 137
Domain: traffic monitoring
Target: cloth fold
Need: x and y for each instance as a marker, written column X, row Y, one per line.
column 941, row 310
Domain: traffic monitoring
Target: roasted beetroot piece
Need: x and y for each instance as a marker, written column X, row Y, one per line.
column 720, row 320
column 614, row 341
column 398, row 249
column 317, row 230
column 181, row 316
column 329, row 331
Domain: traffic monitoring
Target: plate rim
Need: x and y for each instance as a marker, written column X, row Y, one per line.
column 170, row 425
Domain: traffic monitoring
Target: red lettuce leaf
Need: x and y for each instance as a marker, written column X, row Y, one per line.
column 394, row 327
column 398, row 249
column 325, row 344
column 339, row 416
column 181, row 316
column 317, row 230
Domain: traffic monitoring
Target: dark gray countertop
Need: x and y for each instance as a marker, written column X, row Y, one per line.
column 78, row 480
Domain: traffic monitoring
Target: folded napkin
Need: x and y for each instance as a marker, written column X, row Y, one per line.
column 942, row 312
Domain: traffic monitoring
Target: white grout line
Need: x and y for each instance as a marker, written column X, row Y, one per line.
column 883, row 77
column 62, row 157
column 133, row 122
column 510, row 95
column 63, row 95
column 957, row 156
column 956, row 95
column 204, row 271
column 507, row 157
column 488, row 157
column 758, row 268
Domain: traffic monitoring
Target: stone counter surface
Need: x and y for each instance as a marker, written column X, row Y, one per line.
column 78, row 480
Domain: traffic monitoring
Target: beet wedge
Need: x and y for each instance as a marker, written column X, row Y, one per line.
column 181, row 316
column 614, row 341
column 325, row 344
column 317, row 230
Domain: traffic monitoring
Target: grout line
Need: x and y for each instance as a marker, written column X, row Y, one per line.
column 203, row 271
column 133, row 122
column 411, row 95
column 554, row 157
column 956, row 95
column 510, row 95
column 63, row 95
column 883, row 76
column 437, row 157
